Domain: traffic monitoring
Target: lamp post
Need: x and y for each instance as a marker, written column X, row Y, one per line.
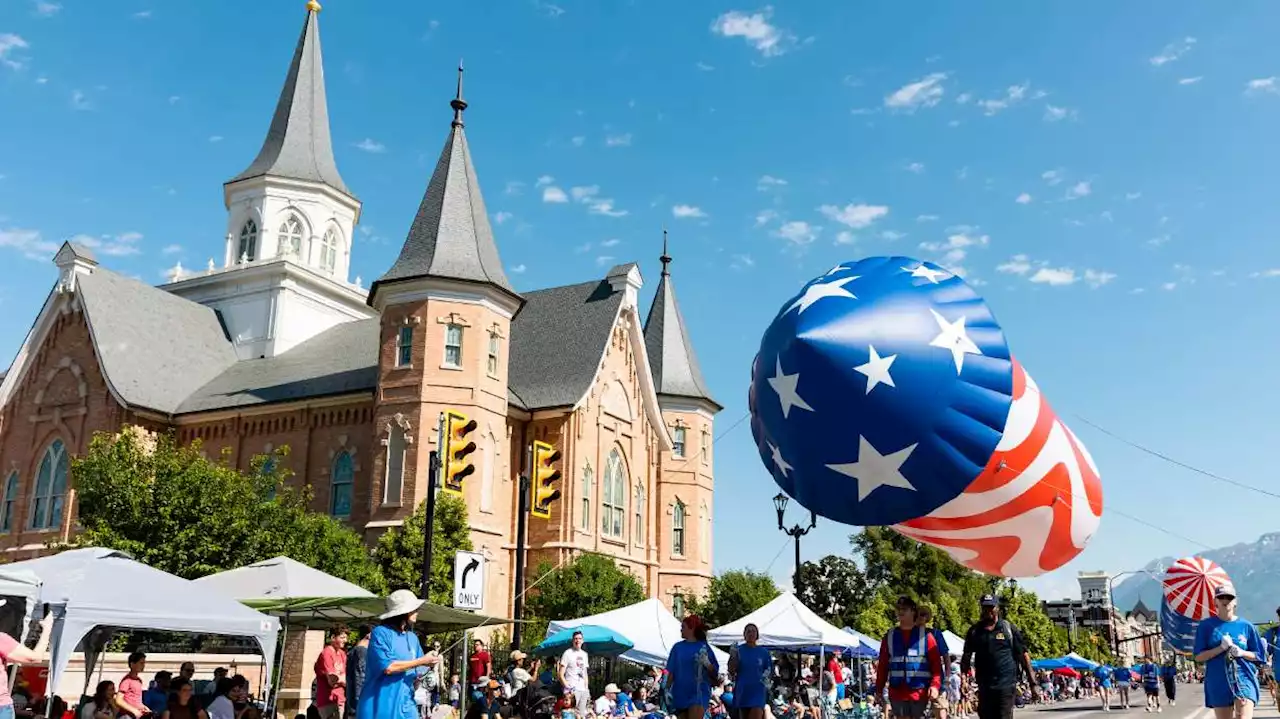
column 780, row 501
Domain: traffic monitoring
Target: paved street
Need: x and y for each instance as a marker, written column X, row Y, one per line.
column 1190, row 706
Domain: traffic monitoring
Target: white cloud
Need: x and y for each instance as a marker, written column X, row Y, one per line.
column 1023, row 199
column 501, row 217
column 514, row 187
column 142, row 15
column 604, row 206
column 764, row 217
column 925, row 92
column 855, row 217
column 612, row 242
column 704, row 66
column 1173, row 51
column 8, row 43
column 741, row 262
column 589, row 195
column 1016, row 265
column 618, row 140
column 603, row 260
column 1053, row 113
column 578, row 140
column 1267, row 274
column 175, row 99
column 770, row 40
column 47, row 9
column 1051, row 177
column 1098, row 278
column 926, row 218
column 80, row 101
column 1190, row 80
column 120, row 245
column 172, row 249
column 1253, row 87
column 892, row 235
column 1159, row 240
column 1012, row 96
column 544, row 180
column 769, row 182
column 1169, row 286
column 687, row 211
column 964, row 98
column 29, row 243
column 554, row 194
column 956, row 247
column 369, row 144
column 1055, row 277
column 797, row 232
column 1132, row 195
column 845, row 237
column 582, row 193
column 518, row 269
column 215, row 138
column 916, row 167
column 1080, row 189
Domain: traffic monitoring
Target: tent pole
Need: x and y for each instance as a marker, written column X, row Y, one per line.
column 275, row 695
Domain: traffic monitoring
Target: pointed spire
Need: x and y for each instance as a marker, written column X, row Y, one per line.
column 451, row 237
column 671, row 357
column 298, row 145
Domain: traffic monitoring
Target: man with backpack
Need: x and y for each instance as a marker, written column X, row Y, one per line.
column 997, row 652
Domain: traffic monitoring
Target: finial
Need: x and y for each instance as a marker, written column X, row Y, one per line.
column 458, row 104
column 665, row 259
column 313, row 6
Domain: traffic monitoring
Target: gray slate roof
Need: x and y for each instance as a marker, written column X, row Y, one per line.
column 155, row 348
column 671, row 357
column 451, row 237
column 298, row 145
column 340, row 360
column 557, row 341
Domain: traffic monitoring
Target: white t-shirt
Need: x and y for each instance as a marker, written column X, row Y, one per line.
column 573, row 669
column 221, row 708
column 604, row 707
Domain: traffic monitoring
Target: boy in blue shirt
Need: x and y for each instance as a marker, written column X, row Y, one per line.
column 1231, row 650
column 1150, row 672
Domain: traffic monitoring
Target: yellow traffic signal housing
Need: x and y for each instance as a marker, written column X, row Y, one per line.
column 545, row 475
column 456, row 460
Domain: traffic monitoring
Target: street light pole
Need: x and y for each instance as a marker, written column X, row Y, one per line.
column 1111, row 604
column 796, row 532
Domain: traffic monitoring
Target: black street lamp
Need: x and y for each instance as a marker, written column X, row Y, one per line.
column 780, row 501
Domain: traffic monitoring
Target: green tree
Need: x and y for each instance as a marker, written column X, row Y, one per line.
column 734, row 594
column 1025, row 611
column 898, row 565
column 876, row 617
column 836, row 588
column 399, row 551
column 589, row 584
column 175, row 510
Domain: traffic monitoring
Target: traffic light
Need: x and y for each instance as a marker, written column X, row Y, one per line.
column 545, row 475
column 457, row 450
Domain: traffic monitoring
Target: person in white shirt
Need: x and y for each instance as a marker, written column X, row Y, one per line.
column 573, row 674
column 608, row 702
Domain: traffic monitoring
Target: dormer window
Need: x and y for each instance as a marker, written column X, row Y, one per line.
column 248, row 242
column 291, row 237
column 329, row 251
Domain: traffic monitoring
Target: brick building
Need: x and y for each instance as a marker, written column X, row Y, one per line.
column 276, row 346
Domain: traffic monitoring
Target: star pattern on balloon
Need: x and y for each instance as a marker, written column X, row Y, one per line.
column 778, row 460
column 876, row 369
column 927, row 272
column 787, row 386
column 821, row 290
column 954, row 338
column 874, row 470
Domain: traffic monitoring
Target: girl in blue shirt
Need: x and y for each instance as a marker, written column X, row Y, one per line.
column 1230, row 649
column 751, row 668
column 692, row 671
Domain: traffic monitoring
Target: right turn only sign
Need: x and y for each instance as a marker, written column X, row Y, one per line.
column 468, row 581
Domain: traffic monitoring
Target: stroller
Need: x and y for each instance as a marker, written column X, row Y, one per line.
column 535, row 701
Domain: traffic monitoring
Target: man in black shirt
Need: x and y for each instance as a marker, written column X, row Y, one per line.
column 999, row 652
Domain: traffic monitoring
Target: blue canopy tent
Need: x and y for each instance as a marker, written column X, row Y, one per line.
column 1079, row 663
column 1049, row 664
column 596, row 640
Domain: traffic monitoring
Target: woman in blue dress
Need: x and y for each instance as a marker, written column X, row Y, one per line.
column 1231, row 651
column 751, row 668
column 393, row 662
column 692, row 671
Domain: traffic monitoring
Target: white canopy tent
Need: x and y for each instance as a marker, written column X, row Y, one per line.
column 785, row 623
column 648, row 624
column 23, row 587
column 300, row 595
column 87, row 589
column 955, row 644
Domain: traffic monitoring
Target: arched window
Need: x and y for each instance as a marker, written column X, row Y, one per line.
column 10, row 498
column 393, row 485
column 486, row 474
column 340, row 487
column 637, row 524
column 329, row 251
column 248, row 242
column 51, row 488
column 291, row 237
column 677, row 528
column 613, row 513
column 587, row 478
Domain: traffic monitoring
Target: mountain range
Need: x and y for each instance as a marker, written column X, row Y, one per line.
column 1254, row 568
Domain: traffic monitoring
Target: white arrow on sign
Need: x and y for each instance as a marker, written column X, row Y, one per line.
column 468, row 580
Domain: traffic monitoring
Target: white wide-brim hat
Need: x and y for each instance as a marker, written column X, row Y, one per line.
column 400, row 603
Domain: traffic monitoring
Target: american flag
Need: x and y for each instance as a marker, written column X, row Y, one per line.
column 1035, row 506
column 880, row 391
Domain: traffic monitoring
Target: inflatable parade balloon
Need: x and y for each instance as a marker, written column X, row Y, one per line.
column 1035, row 505
column 1189, row 585
column 880, row 391
column 1178, row 631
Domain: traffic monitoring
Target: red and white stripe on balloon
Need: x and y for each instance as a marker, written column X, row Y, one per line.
column 1189, row 585
column 1035, row 505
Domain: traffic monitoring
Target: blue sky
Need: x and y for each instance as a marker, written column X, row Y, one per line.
column 1107, row 173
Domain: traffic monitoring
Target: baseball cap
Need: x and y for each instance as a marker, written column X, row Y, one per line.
column 989, row 600
column 1225, row 590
